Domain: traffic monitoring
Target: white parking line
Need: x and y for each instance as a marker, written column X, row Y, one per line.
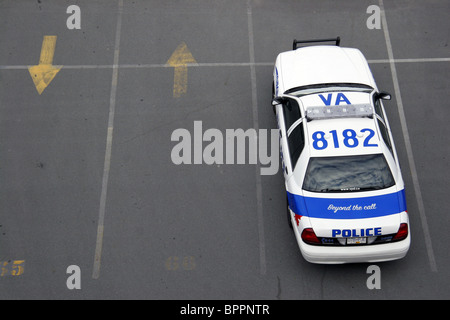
column 409, row 152
column 392, row 60
column 212, row 64
column 259, row 206
column 109, row 137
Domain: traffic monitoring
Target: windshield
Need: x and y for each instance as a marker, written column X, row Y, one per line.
column 348, row 174
column 328, row 87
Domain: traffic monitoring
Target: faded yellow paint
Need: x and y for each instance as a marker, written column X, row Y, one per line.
column 174, row 263
column 179, row 59
column 179, row 81
column 12, row 268
column 43, row 73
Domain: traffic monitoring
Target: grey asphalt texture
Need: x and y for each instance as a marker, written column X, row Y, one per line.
column 198, row 231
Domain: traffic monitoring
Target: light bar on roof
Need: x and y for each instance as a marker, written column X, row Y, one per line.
column 340, row 111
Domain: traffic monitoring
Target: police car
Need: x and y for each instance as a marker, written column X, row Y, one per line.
column 345, row 192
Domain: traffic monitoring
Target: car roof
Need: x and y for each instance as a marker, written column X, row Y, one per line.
column 323, row 64
column 339, row 100
column 358, row 125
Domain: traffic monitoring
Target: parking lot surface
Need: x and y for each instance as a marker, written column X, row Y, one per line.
column 86, row 172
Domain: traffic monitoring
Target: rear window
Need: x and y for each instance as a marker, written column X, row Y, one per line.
column 348, row 174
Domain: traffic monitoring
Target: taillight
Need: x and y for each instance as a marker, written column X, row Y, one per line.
column 309, row 237
column 402, row 232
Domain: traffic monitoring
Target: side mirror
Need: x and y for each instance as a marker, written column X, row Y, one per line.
column 277, row 100
column 383, row 95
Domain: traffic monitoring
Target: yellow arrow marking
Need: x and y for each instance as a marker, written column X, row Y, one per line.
column 44, row 72
column 179, row 60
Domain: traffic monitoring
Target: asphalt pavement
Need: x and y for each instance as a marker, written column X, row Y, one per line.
column 87, row 176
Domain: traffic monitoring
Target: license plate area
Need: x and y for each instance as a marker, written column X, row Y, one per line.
column 357, row 240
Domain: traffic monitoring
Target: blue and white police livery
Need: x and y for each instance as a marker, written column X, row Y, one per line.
column 345, row 192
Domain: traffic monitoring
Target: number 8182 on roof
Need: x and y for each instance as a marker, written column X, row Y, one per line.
column 345, row 192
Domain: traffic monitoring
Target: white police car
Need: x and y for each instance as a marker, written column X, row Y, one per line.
column 346, row 199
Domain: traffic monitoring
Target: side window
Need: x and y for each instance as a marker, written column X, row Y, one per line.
column 378, row 109
column 385, row 134
column 296, row 142
column 381, row 124
column 291, row 112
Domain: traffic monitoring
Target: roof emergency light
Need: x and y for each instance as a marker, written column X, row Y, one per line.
column 339, row 111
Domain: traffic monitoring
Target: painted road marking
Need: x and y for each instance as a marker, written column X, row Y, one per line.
column 43, row 73
column 180, row 59
column 108, row 150
column 212, row 64
column 174, row 263
column 392, row 60
column 12, row 268
column 259, row 205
